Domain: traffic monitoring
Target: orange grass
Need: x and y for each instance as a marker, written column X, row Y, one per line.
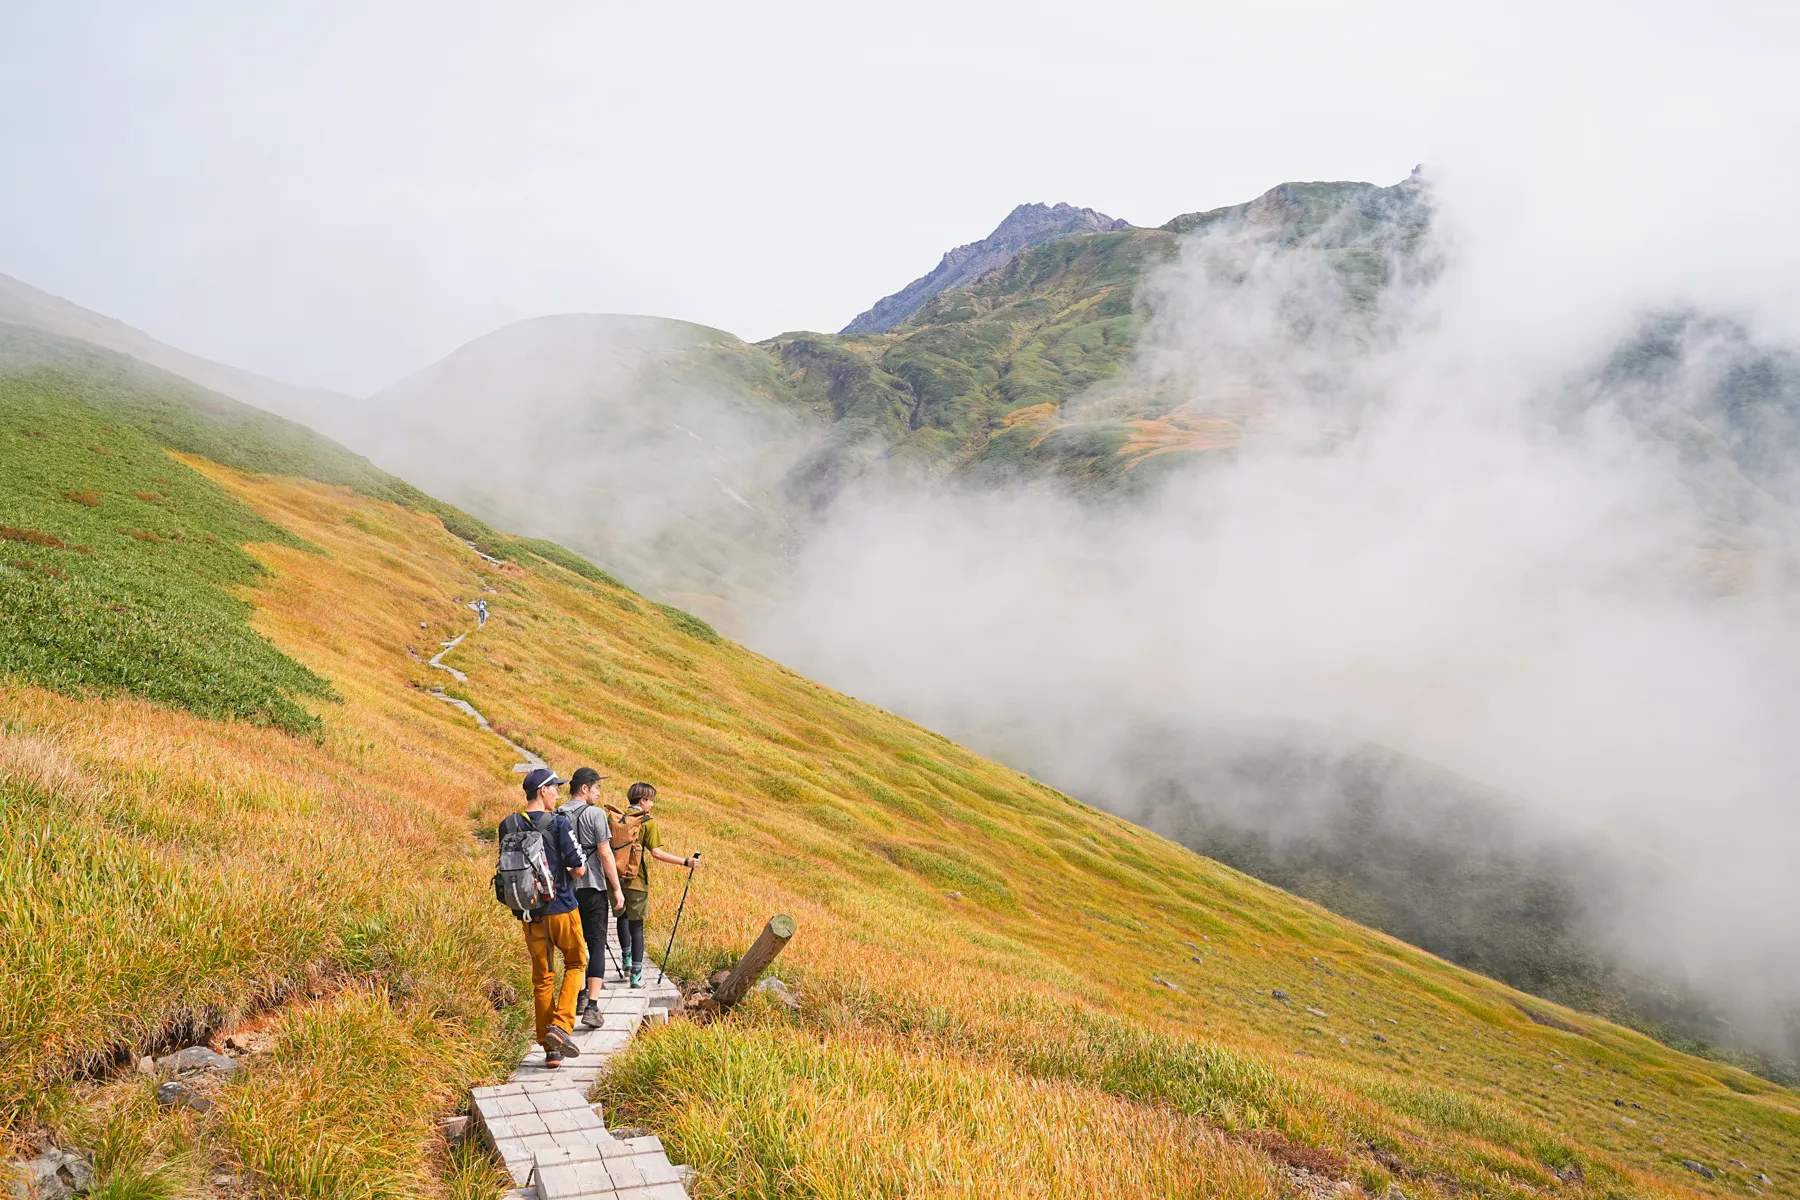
column 1029, row 1002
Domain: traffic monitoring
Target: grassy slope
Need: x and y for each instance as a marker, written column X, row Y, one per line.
column 1015, row 1034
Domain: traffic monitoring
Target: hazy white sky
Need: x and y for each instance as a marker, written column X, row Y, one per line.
column 337, row 193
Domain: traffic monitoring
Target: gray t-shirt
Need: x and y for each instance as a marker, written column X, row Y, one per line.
column 591, row 829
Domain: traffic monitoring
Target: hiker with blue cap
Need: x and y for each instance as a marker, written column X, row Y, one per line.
column 538, row 863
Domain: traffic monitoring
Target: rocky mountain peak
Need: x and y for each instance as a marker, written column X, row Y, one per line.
column 1026, row 226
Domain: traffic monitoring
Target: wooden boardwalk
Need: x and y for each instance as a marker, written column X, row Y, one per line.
column 552, row 1139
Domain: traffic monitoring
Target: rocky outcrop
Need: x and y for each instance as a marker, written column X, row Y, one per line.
column 1026, row 226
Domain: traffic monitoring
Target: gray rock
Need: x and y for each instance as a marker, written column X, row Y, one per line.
column 195, row 1059
column 179, row 1094
column 1379, row 1038
column 52, row 1175
column 780, row 992
column 1700, row 1169
column 1317, row 1012
column 1739, row 1163
column 146, row 1065
column 1280, row 995
column 1171, row 986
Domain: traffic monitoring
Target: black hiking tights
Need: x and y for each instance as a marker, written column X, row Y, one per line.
column 631, row 941
column 595, row 909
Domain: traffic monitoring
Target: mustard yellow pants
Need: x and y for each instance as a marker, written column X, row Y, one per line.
column 552, row 1005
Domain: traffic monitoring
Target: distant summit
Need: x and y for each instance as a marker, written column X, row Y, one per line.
column 1026, row 226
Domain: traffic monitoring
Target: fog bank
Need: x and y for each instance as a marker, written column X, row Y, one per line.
column 1520, row 515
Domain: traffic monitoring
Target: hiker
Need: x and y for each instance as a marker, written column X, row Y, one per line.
column 548, row 910
column 593, row 834
column 635, row 841
column 480, row 613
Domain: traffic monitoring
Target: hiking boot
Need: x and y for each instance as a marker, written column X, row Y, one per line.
column 637, row 976
column 557, row 1040
column 581, row 1003
column 593, row 1018
column 553, row 1058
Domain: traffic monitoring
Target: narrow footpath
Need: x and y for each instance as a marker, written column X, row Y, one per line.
column 540, row 1123
column 553, row 1140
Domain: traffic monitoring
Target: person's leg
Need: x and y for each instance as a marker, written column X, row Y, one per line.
column 537, row 942
column 625, row 937
column 595, row 913
column 565, row 931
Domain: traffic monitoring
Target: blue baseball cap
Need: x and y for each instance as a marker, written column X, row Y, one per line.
column 541, row 778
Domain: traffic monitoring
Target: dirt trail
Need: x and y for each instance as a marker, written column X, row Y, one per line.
column 530, row 760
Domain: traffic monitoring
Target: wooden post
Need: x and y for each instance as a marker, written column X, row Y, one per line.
column 768, row 944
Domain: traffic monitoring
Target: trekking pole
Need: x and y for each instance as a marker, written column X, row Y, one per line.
column 673, row 929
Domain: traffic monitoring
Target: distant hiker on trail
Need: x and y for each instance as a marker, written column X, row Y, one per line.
column 635, row 841
column 538, row 859
column 593, row 833
column 480, row 607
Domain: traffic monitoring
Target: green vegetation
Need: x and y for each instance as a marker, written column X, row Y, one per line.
column 117, row 564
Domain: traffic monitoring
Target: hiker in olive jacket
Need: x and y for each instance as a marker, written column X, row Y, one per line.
column 635, row 842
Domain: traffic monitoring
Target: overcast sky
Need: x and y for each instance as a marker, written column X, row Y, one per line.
column 337, row 194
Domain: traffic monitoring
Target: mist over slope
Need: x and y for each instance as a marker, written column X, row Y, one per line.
column 1252, row 528
column 26, row 306
column 1561, row 567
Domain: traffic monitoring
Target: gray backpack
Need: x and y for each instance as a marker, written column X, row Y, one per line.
column 522, row 879
column 585, row 839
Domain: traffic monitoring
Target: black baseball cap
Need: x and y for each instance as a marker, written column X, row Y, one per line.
column 543, row 777
column 584, row 776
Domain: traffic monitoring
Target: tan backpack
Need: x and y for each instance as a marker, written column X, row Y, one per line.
column 627, row 840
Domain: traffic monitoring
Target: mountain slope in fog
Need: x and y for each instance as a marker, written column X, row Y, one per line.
column 21, row 304
column 658, row 446
column 1100, row 1005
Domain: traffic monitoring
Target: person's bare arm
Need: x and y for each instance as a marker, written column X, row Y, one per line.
column 662, row 855
column 610, row 866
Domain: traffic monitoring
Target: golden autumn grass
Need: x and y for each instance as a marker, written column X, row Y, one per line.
column 1004, row 990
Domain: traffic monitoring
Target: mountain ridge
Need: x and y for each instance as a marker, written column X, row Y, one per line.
column 1027, row 225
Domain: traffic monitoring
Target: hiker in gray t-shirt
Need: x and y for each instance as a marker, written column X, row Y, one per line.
column 592, row 834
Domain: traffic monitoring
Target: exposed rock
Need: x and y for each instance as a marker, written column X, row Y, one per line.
column 630, row 1131
column 1570, row 1174
column 453, row 1127
column 146, row 1065
column 1026, row 226
column 1379, row 1038
column 1700, row 1169
column 194, row 1060
column 179, row 1093
column 1317, row 1012
column 52, row 1175
column 1171, row 986
column 1280, row 995
column 780, row 992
